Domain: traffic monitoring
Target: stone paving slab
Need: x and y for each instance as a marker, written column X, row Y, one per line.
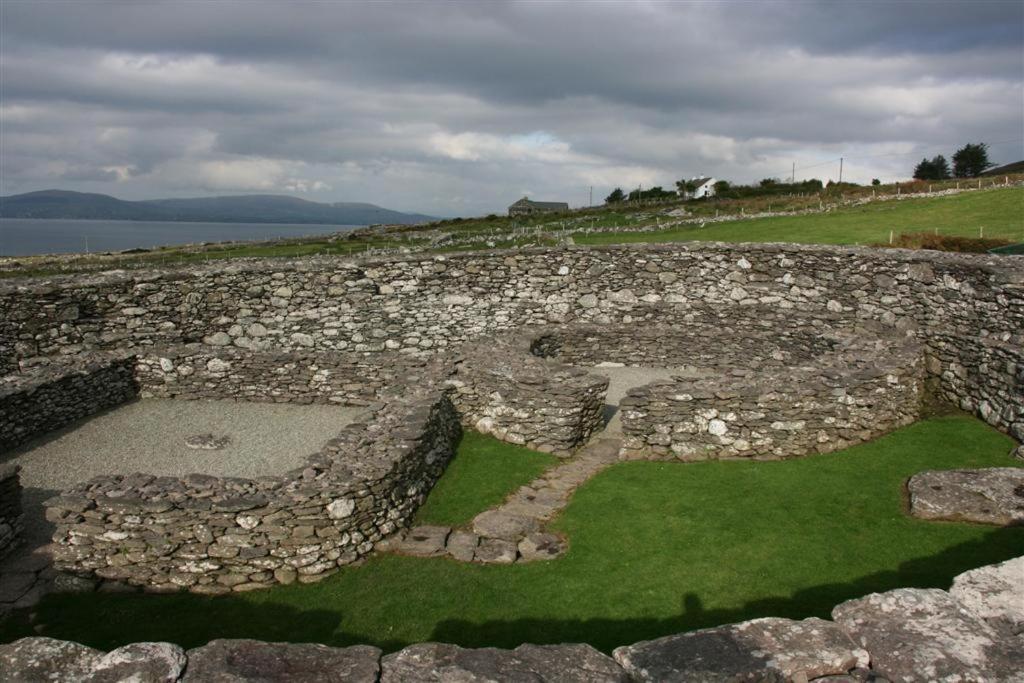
column 916, row 634
column 993, row 495
column 513, row 531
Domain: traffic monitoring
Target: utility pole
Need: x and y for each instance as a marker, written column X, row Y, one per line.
column 792, row 175
column 591, row 202
column 840, row 169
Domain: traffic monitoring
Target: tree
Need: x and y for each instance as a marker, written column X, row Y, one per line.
column 971, row 160
column 722, row 186
column 936, row 168
column 876, row 181
column 685, row 186
column 615, row 197
column 768, row 182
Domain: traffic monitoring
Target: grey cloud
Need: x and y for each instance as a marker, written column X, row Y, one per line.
column 458, row 106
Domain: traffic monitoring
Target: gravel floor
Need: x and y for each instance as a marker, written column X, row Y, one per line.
column 149, row 436
column 622, row 379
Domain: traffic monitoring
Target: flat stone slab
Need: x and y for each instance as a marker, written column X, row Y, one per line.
column 767, row 650
column 541, row 547
column 501, row 524
column 252, row 660
column 993, row 495
column 996, row 594
column 142, row 662
column 541, row 663
column 46, row 659
column 207, row 442
column 424, row 541
column 496, row 551
column 916, row 634
column 462, row 545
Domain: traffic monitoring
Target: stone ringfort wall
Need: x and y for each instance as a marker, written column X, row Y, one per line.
column 859, row 391
column 391, row 335
column 966, row 309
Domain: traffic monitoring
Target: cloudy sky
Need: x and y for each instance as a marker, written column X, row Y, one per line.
column 459, row 108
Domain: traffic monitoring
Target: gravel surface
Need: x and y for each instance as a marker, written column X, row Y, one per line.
column 149, row 436
column 622, row 379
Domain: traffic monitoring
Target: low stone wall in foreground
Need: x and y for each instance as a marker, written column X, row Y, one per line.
column 969, row 633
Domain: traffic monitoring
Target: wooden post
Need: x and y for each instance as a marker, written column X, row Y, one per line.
column 890, row 237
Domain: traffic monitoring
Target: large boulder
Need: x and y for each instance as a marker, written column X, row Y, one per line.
column 253, row 661
column 916, row 634
column 140, row 663
column 766, row 650
column 993, row 495
column 539, row 663
column 996, row 594
column 45, row 659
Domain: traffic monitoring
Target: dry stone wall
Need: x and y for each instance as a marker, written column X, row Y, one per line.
column 217, row 534
column 11, row 523
column 502, row 390
column 195, row 371
column 984, row 376
column 741, row 344
column 862, row 390
column 51, row 396
column 418, row 305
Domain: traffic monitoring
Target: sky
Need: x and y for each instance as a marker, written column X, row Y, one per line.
column 460, row 108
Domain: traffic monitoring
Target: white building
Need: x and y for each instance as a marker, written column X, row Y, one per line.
column 703, row 187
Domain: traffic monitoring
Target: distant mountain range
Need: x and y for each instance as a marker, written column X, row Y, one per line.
column 256, row 208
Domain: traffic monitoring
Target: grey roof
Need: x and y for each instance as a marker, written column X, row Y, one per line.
column 698, row 182
column 525, row 201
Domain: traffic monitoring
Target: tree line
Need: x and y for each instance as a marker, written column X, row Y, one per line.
column 969, row 161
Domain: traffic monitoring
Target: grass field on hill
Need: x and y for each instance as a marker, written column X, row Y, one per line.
column 999, row 212
column 655, row 548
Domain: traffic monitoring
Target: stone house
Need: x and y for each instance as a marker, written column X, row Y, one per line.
column 703, row 187
column 527, row 207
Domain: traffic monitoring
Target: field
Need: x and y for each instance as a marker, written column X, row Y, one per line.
column 656, row 548
column 991, row 213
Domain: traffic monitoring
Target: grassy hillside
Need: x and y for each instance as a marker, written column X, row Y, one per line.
column 998, row 213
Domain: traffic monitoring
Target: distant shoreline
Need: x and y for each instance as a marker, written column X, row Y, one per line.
column 24, row 237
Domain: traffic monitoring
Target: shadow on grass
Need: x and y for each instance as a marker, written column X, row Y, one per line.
column 936, row 571
column 108, row 620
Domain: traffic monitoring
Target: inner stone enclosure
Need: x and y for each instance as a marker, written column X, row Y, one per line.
column 716, row 351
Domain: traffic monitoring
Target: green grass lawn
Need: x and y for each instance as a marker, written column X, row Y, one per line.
column 656, row 548
column 482, row 473
column 999, row 212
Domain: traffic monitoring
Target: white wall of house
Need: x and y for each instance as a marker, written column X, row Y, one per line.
column 705, row 190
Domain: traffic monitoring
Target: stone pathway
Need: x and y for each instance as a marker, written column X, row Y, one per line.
column 514, row 531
